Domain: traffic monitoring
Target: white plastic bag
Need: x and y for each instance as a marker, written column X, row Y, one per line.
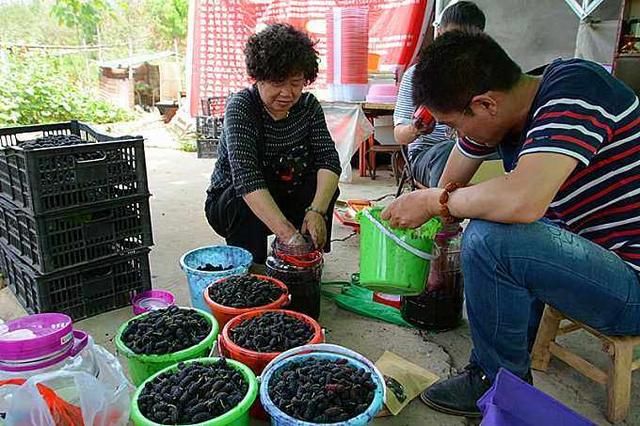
column 348, row 127
column 103, row 400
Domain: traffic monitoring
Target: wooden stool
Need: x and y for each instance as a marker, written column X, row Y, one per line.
column 620, row 349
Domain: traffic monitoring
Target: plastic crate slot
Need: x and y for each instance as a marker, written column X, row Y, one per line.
column 80, row 292
column 49, row 179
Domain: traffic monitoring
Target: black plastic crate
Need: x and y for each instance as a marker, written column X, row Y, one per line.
column 208, row 127
column 79, row 292
column 52, row 179
column 207, row 148
column 67, row 239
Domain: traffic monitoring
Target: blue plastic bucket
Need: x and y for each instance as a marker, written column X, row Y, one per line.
column 323, row 351
column 239, row 259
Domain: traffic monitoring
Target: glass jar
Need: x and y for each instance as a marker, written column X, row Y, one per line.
column 301, row 271
column 44, row 343
column 439, row 307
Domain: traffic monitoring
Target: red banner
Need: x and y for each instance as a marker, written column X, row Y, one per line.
column 219, row 30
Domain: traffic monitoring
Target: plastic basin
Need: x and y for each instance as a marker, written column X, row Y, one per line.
column 237, row 416
column 257, row 361
column 324, row 351
column 142, row 366
column 224, row 314
column 238, row 258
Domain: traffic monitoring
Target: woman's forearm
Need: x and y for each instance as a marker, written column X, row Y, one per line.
column 265, row 208
column 327, row 184
column 404, row 134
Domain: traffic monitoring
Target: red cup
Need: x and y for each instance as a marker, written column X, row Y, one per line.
column 423, row 118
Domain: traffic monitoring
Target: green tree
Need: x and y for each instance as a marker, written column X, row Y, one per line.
column 83, row 15
column 169, row 19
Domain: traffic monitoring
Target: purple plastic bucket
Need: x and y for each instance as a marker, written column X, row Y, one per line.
column 513, row 402
column 151, row 300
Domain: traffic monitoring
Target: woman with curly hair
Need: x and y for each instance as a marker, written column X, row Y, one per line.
column 277, row 170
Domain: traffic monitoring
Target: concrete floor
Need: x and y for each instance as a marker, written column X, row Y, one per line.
column 178, row 181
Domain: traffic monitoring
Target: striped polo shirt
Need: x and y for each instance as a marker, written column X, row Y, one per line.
column 581, row 111
column 403, row 114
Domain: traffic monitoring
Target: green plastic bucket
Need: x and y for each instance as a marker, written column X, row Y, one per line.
column 141, row 367
column 237, row 416
column 392, row 260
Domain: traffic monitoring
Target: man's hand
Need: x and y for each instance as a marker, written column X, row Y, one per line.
column 413, row 209
column 316, row 226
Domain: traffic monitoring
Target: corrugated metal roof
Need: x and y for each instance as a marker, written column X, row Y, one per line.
column 134, row 60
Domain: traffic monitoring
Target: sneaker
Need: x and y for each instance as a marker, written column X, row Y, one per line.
column 458, row 395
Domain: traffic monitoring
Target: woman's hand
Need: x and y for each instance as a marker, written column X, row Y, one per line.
column 413, row 209
column 316, row 226
column 289, row 235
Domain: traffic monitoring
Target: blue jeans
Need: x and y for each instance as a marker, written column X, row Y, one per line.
column 510, row 269
column 427, row 163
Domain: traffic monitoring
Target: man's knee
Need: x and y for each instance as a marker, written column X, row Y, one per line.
column 481, row 238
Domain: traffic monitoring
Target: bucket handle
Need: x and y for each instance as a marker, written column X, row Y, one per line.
column 416, row 252
column 334, row 349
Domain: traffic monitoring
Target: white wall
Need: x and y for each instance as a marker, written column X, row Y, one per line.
column 535, row 32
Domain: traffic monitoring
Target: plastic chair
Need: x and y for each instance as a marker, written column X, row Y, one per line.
column 407, row 174
column 393, row 150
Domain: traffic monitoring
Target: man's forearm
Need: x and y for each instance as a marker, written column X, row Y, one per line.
column 265, row 208
column 459, row 168
column 327, row 183
column 522, row 196
column 496, row 200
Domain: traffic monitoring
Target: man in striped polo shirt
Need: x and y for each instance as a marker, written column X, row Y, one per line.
column 429, row 147
column 561, row 228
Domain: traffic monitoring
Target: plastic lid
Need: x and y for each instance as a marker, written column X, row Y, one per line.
column 151, row 300
column 35, row 336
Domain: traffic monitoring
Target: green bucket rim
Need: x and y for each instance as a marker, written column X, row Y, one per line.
column 125, row 351
column 234, row 414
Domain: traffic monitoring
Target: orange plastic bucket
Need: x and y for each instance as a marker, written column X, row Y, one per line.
column 224, row 314
column 257, row 361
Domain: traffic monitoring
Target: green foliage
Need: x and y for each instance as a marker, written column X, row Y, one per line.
column 39, row 89
column 169, row 18
column 187, row 143
column 32, row 23
column 83, row 15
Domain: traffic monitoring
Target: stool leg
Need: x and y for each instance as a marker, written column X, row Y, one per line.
column 540, row 355
column 619, row 382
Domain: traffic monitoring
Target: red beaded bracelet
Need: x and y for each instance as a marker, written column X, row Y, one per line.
column 445, row 214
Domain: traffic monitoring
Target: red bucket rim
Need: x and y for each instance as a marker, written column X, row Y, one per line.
column 233, row 347
column 280, row 301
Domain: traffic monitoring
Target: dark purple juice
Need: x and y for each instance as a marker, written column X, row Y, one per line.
column 436, row 310
column 439, row 307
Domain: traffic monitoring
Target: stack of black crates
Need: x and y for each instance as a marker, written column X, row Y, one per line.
column 209, row 126
column 75, row 226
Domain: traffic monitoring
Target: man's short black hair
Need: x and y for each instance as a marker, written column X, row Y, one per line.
column 459, row 65
column 463, row 14
column 280, row 51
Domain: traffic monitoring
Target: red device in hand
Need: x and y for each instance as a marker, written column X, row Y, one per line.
column 423, row 120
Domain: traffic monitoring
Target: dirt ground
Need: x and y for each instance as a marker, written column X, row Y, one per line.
column 178, row 181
